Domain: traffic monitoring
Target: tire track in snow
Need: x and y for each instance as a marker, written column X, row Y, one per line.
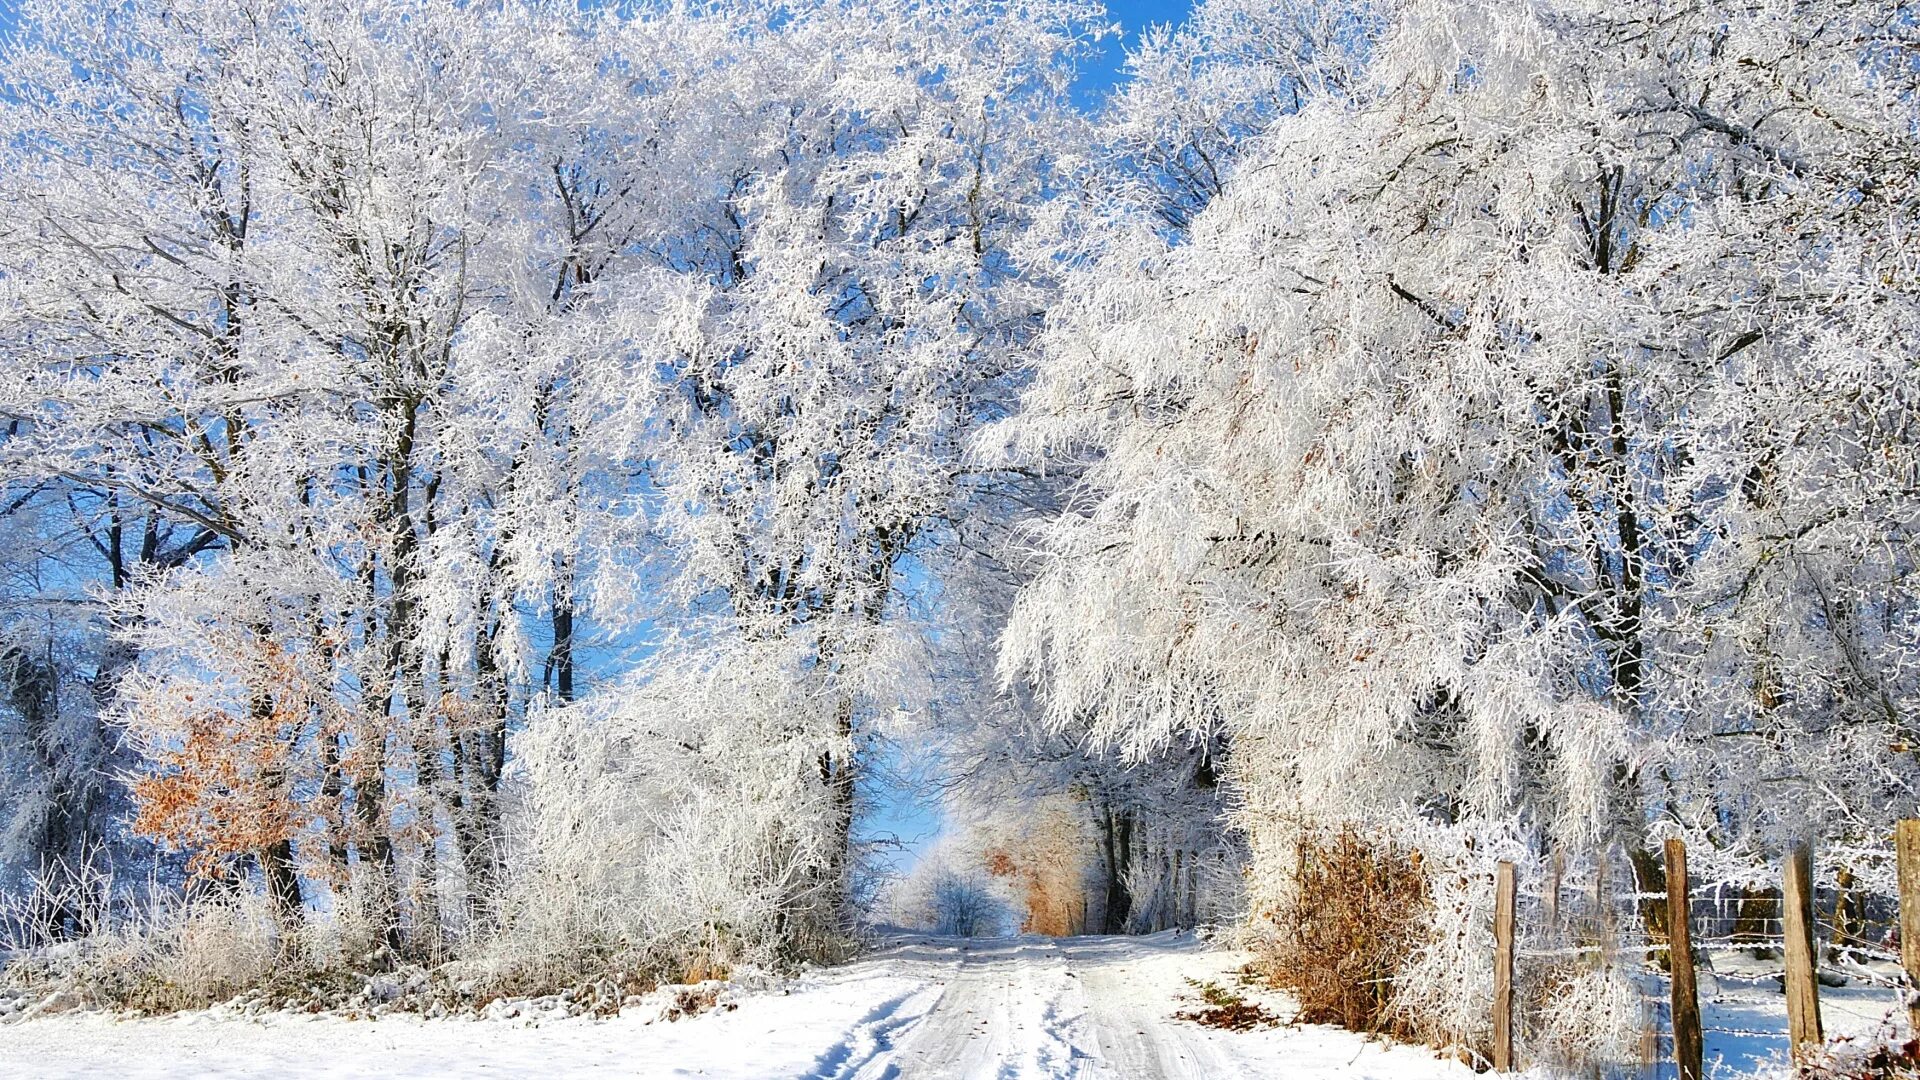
column 1130, row 985
column 871, row 1037
column 1029, row 1008
column 1009, row 1010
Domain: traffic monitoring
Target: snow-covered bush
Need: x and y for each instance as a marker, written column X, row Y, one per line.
column 161, row 950
column 1581, row 1013
column 950, row 890
column 680, row 821
column 1575, row 1005
column 1889, row 1052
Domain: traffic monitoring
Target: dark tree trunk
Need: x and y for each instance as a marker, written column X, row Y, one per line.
column 333, row 803
column 1650, row 882
column 562, row 655
column 837, row 771
column 283, row 884
column 482, row 756
column 1116, row 838
column 403, row 704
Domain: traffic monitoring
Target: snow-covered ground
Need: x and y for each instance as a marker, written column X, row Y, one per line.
column 922, row 1007
column 1744, row 1011
column 1009, row 1009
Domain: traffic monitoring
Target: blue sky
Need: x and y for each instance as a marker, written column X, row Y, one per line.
column 1132, row 15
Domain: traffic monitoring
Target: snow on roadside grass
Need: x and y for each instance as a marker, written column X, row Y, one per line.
column 1026, row 1007
column 918, row 1007
column 769, row 1035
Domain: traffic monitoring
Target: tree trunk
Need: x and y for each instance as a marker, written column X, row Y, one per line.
column 1757, row 908
column 837, row 772
column 1849, row 911
column 562, row 656
column 376, row 845
column 1650, row 882
column 403, row 704
column 283, row 886
column 333, row 803
column 483, row 754
column 1116, row 839
column 427, row 930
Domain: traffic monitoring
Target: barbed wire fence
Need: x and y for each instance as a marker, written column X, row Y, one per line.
column 1812, row 938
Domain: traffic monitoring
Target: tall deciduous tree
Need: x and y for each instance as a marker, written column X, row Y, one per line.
column 1425, row 463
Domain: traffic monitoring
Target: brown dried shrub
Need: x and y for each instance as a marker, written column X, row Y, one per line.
column 1359, row 908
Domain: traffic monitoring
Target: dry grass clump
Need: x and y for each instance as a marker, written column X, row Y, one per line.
column 1358, row 908
column 165, row 956
column 1226, row 1010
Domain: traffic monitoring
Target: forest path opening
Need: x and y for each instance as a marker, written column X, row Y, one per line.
column 1088, row 1008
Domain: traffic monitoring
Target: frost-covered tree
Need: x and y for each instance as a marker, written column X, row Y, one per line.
column 436, row 340
column 248, row 251
column 1200, row 94
column 859, row 314
column 1439, row 465
column 92, row 331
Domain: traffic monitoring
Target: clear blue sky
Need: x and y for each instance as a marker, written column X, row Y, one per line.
column 1133, row 16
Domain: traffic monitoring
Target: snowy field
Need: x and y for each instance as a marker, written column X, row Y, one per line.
column 923, row 1007
column 1744, row 1012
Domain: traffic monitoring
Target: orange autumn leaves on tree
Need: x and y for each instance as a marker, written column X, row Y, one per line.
column 222, row 780
column 1047, row 859
column 218, row 795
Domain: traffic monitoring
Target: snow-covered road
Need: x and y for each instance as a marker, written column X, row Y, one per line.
column 936, row 1008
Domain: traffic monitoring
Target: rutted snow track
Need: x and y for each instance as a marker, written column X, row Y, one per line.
column 1007, row 1008
column 1093, row 1008
column 922, row 1007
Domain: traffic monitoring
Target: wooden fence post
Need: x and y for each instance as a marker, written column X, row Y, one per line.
column 1906, row 845
column 1688, row 1047
column 1557, row 871
column 1503, row 968
column 1803, row 983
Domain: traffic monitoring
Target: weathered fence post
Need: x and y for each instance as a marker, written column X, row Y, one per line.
column 1803, row 983
column 1503, row 968
column 1688, row 1047
column 1906, row 845
column 1554, row 875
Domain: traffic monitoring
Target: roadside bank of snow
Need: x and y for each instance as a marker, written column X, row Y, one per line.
column 920, row 1008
